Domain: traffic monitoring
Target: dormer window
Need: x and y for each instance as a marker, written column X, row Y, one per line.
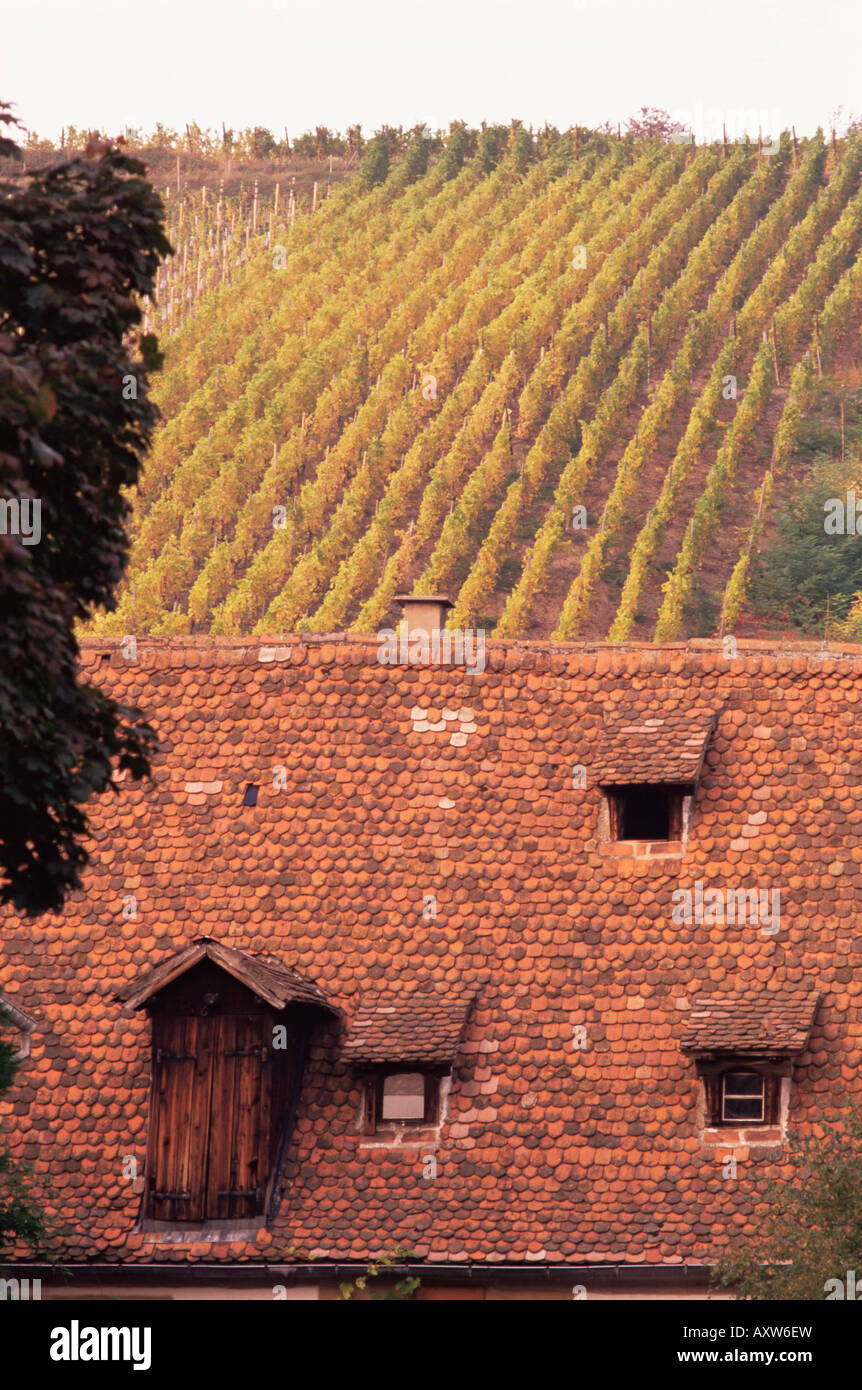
column 641, row 811
column 403, row 1049
column 648, row 766
column 742, row 1091
column 403, row 1096
column 230, row 1035
column 743, row 1046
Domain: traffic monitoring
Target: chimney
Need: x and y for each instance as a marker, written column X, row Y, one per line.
column 423, row 613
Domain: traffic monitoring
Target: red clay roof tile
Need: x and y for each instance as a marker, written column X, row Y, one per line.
column 772, row 1020
column 418, row 1028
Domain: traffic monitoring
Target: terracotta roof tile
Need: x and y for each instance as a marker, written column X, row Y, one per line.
column 777, row 1020
column 662, row 743
column 417, row 1028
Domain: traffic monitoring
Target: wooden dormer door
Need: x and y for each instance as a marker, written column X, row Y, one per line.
column 211, row 1127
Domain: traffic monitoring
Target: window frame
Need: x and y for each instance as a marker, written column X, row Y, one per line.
column 713, row 1072
column 374, row 1123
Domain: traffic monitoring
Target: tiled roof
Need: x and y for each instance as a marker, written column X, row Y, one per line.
column 417, row 1028
column 383, row 856
column 777, row 1020
column 662, row 743
column 264, row 975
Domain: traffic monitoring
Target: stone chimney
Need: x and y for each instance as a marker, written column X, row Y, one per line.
column 423, row 613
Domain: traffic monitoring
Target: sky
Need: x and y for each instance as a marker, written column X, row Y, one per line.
column 294, row 64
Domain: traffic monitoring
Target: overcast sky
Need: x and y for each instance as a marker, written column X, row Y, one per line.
column 300, row 63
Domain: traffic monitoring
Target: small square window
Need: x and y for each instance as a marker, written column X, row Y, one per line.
column 250, row 798
column 647, row 811
column 742, row 1097
column 401, row 1098
column 743, row 1091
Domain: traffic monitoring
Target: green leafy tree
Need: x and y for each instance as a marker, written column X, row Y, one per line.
column 80, row 242
column 415, row 161
column 262, row 143
column 375, row 163
column 492, row 147
column 23, row 1220
column 458, row 148
column 520, row 147
column 805, row 568
column 811, row 1229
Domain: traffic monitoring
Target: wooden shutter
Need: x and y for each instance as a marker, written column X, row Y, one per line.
column 180, row 1122
column 241, row 1114
column 211, row 1127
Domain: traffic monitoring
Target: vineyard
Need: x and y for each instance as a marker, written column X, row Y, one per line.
column 563, row 386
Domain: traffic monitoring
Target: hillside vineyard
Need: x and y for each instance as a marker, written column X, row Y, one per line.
column 561, row 394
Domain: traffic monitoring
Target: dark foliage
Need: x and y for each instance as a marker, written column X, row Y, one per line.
column 79, row 244
column 22, row 1216
column 809, row 1224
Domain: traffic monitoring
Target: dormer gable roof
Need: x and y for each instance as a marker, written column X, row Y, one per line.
column 412, row 1028
column 750, row 1024
column 653, row 744
column 266, row 976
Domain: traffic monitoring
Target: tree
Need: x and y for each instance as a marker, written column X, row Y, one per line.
column 492, row 147
column 22, row 1216
column 262, row 143
column 520, row 152
column 807, row 563
column 653, row 124
column 415, row 162
column 458, row 147
column 80, row 242
column 375, row 163
column 811, row 1231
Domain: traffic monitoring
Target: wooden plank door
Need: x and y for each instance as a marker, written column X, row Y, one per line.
column 179, row 1139
column 240, row 1118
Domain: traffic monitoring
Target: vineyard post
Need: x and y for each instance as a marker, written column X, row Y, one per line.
column 178, row 173
column 314, row 196
column 254, row 209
